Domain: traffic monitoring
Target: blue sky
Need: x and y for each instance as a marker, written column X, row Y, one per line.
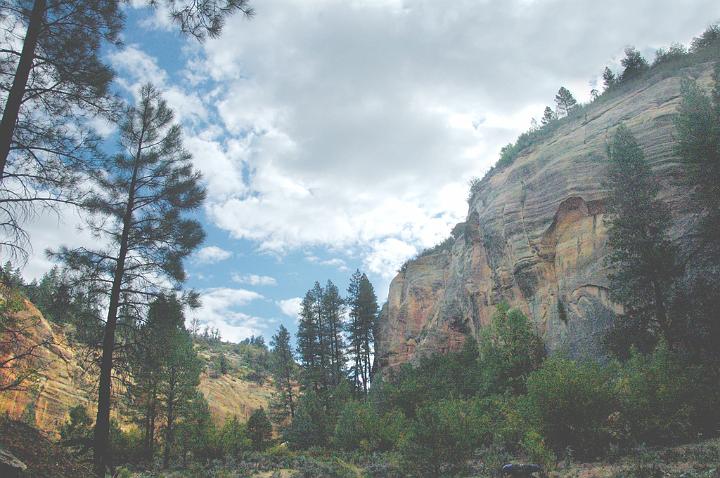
column 341, row 134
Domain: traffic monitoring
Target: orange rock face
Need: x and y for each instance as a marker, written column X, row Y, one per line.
column 535, row 236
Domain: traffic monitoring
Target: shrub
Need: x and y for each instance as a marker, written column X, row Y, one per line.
column 664, row 399
column 441, row 439
column 570, row 402
column 510, row 349
column 360, row 426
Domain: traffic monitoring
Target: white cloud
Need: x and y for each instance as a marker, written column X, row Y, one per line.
column 254, row 279
column 211, row 255
column 220, row 309
column 364, row 134
column 290, row 307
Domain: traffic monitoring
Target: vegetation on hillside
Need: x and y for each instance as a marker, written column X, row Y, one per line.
column 332, row 414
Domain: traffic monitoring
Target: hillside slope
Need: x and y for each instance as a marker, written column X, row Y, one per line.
column 534, row 234
column 65, row 380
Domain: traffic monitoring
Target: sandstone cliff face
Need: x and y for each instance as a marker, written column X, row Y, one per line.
column 65, row 380
column 534, row 236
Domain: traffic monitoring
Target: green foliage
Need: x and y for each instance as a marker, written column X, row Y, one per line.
column 360, row 328
column 259, row 429
column 361, row 427
column 440, row 439
column 233, row 438
column 664, row 399
column 643, row 260
column 284, row 371
column 564, row 101
column 510, row 349
column 437, row 377
column 570, row 402
column 634, row 65
column 76, row 433
column 316, row 416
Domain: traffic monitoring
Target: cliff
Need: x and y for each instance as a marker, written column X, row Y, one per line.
column 65, row 380
column 534, row 234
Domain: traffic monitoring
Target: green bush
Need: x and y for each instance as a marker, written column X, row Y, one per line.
column 570, row 403
column 361, row 427
column 665, row 399
column 441, row 438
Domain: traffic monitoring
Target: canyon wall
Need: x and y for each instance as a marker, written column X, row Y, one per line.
column 535, row 237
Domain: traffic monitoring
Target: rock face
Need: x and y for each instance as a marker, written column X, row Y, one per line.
column 535, row 237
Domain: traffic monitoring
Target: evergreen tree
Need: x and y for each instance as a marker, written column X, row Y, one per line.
column 259, row 429
column 548, row 116
column 282, row 363
column 634, row 63
column 642, row 258
column 180, row 377
column 609, row 79
column 52, row 81
column 307, row 341
column 698, row 147
column 564, row 101
column 698, row 126
column 333, row 307
column 195, row 433
column 138, row 204
column 363, row 309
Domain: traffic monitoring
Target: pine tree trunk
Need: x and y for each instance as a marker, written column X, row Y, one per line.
column 17, row 91
column 170, row 420
column 102, row 423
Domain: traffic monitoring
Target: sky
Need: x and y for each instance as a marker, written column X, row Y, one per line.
column 336, row 135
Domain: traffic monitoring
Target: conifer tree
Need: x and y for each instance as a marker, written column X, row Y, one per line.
column 564, row 101
column 282, row 363
column 609, row 79
column 308, row 344
column 259, row 429
column 180, row 377
column 363, row 309
column 139, row 204
column 333, row 307
column 698, row 126
column 642, row 258
column 634, row 64
column 548, row 116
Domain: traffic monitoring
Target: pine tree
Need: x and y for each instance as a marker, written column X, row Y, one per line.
column 362, row 312
column 609, row 79
column 180, row 377
column 634, row 63
column 642, row 258
column 354, row 331
column 282, row 363
column 259, row 429
column 698, row 147
column 698, row 126
column 139, row 203
column 548, row 116
column 367, row 317
column 333, row 307
column 307, row 341
column 564, row 101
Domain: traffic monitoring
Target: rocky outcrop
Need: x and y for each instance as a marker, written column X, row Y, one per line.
column 535, row 237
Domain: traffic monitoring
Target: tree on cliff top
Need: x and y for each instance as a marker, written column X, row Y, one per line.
column 565, row 102
column 642, row 258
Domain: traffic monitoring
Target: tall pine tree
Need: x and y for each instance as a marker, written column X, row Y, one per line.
column 642, row 258
column 362, row 312
column 139, row 205
column 283, row 367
